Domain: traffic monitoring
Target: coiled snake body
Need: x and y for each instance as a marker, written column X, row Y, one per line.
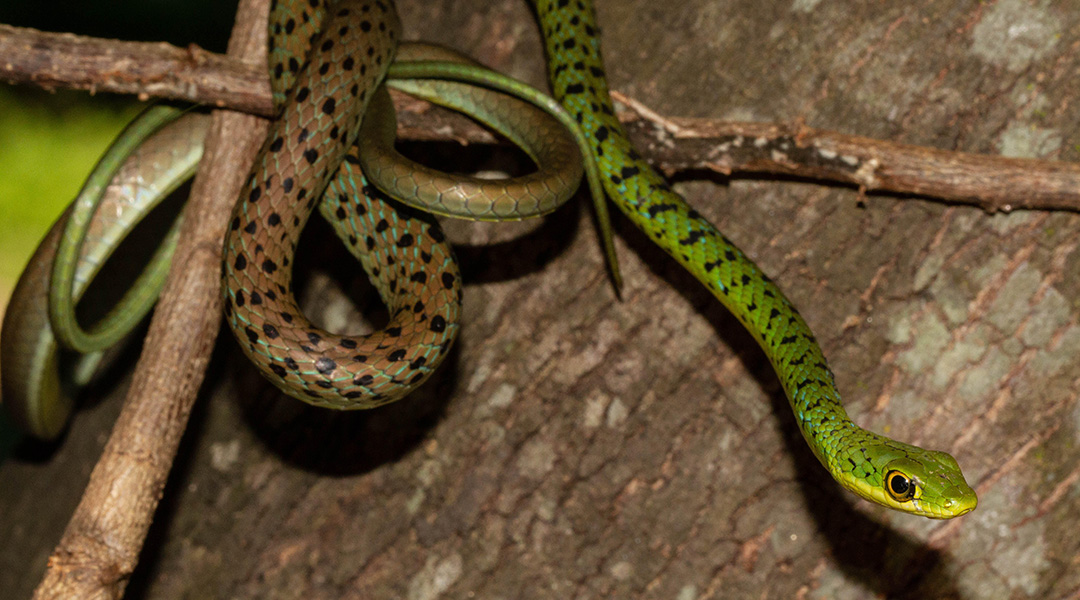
column 311, row 148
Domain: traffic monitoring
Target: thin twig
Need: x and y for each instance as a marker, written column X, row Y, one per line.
column 993, row 183
column 100, row 547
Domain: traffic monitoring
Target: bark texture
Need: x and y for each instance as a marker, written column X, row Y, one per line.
column 580, row 447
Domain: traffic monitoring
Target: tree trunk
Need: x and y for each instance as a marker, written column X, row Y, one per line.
column 576, row 446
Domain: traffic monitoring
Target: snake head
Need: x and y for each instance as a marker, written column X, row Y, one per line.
column 907, row 478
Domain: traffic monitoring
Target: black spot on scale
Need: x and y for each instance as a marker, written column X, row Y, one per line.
column 286, row 317
column 324, row 68
column 438, row 324
column 256, row 299
column 325, row 365
column 250, row 227
column 419, row 277
column 327, row 45
column 252, row 336
column 269, row 266
column 274, row 219
column 381, row 226
column 270, row 331
column 324, row 384
column 405, row 240
column 348, row 63
column 235, row 224
column 303, row 135
column 448, row 280
column 240, row 298
column 364, row 380
column 365, row 26
column 329, row 106
column 348, row 344
column 628, row 172
column 353, row 395
column 241, row 263
column 396, row 355
column 254, row 195
column 314, row 338
column 393, row 332
column 278, row 370
column 302, row 93
column 416, row 379
column 656, row 209
column 311, row 155
column 574, row 88
column 277, row 144
column 418, row 362
column 287, row 184
column 693, row 238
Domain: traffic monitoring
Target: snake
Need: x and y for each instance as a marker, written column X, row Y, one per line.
column 891, row 473
column 154, row 155
column 311, row 148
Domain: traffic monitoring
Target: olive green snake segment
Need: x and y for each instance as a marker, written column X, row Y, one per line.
column 882, row 470
column 35, row 389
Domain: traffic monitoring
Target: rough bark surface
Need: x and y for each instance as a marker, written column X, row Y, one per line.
column 580, row 447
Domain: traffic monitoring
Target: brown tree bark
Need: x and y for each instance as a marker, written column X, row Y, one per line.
column 581, row 447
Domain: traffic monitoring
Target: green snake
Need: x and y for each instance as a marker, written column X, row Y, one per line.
column 401, row 249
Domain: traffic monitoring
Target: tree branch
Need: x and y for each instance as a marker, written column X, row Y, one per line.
column 993, row 183
column 100, row 547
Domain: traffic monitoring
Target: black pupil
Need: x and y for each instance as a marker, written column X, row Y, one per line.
column 899, row 485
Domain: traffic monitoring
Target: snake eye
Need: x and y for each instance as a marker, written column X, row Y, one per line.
column 899, row 486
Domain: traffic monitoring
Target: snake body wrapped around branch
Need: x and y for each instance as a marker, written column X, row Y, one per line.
column 309, row 160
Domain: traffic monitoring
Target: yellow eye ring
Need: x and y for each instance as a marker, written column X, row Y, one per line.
column 899, row 486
